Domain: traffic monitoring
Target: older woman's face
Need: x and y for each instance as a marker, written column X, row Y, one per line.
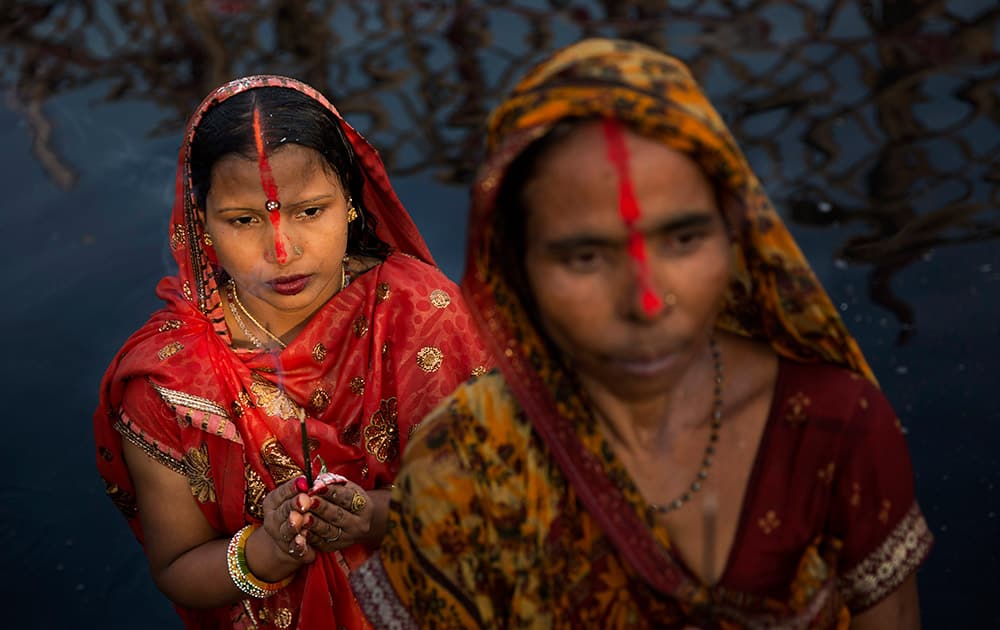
column 586, row 285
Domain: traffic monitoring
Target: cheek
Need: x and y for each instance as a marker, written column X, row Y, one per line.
column 571, row 307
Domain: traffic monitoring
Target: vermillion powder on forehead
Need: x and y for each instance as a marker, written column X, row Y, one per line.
column 628, row 208
column 270, row 188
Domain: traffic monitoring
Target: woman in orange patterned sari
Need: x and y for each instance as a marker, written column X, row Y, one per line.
column 307, row 314
column 681, row 432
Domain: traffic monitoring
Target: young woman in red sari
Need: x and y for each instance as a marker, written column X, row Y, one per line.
column 682, row 433
column 306, row 315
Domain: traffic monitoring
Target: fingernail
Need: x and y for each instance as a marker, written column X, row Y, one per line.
column 301, row 485
column 308, row 521
column 315, row 504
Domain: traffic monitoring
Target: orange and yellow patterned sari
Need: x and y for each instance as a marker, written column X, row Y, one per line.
column 530, row 520
column 365, row 370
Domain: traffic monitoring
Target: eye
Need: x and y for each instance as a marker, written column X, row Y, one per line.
column 243, row 221
column 584, row 260
column 683, row 242
column 310, row 213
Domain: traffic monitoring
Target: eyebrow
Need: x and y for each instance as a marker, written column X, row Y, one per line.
column 297, row 204
column 686, row 221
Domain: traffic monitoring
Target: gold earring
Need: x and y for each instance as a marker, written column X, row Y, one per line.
column 352, row 212
column 208, row 240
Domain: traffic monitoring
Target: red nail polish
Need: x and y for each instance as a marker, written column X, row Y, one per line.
column 315, row 504
column 308, row 521
column 300, row 484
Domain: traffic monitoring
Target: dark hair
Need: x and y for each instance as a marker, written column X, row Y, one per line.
column 291, row 118
column 508, row 245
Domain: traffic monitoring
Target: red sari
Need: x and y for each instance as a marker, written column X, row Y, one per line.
column 366, row 369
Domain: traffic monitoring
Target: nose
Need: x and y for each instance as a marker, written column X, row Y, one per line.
column 279, row 248
column 648, row 297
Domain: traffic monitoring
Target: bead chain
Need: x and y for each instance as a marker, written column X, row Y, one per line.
column 713, row 438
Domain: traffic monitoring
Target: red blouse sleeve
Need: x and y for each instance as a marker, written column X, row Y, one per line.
column 148, row 422
column 874, row 510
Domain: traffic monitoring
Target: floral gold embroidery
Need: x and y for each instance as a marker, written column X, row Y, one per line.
column 319, row 400
column 797, row 408
column 281, row 466
column 381, row 434
column 170, row 324
column 236, row 408
column 883, row 570
column 186, row 289
column 179, row 237
column 360, row 326
column 479, row 371
column 357, row 386
column 255, row 492
column 364, row 471
column 826, row 473
column 283, row 618
column 319, row 352
column 769, row 522
column 352, row 434
column 274, row 401
column 199, row 472
column 883, row 514
column 123, row 500
column 244, row 399
column 169, row 350
column 382, row 292
column 429, row 358
column 440, row 298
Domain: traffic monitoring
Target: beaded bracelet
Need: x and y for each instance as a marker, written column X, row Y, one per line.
column 243, row 578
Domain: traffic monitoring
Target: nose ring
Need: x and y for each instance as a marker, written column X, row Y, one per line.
column 296, row 250
column 670, row 299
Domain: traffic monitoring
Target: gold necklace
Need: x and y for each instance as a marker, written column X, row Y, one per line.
column 236, row 300
column 713, row 438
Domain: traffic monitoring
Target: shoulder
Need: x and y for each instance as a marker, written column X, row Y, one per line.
column 479, row 424
column 413, row 271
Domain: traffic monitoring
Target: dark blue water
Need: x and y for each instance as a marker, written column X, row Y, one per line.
column 875, row 127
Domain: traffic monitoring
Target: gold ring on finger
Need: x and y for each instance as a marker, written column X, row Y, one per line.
column 358, row 503
column 340, row 532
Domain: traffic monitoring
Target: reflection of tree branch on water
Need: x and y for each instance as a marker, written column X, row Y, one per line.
column 419, row 77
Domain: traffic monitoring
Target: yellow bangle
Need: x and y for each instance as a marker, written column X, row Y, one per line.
column 243, row 578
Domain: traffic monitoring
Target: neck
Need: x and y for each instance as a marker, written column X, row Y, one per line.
column 649, row 425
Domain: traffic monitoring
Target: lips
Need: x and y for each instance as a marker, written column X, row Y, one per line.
column 289, row 285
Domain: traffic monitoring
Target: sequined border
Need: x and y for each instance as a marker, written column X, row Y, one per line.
column 122, row 426
column 377, row 598
column 884, row 569
column 174, row 397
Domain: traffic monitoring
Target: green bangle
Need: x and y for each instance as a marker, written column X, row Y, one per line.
column 243, row 578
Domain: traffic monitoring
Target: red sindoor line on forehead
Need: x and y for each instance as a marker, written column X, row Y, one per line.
column 628, row 208
column 269, row 186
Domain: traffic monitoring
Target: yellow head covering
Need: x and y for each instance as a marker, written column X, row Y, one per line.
column 773, row 296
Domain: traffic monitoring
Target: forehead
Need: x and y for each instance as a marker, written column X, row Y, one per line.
column 575, row 186
column 296, row 169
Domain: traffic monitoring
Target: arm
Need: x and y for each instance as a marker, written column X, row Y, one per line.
column 187, row 557
column 898, row 611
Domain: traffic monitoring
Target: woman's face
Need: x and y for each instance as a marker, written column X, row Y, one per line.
column 311, row 231
column 585, row 284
